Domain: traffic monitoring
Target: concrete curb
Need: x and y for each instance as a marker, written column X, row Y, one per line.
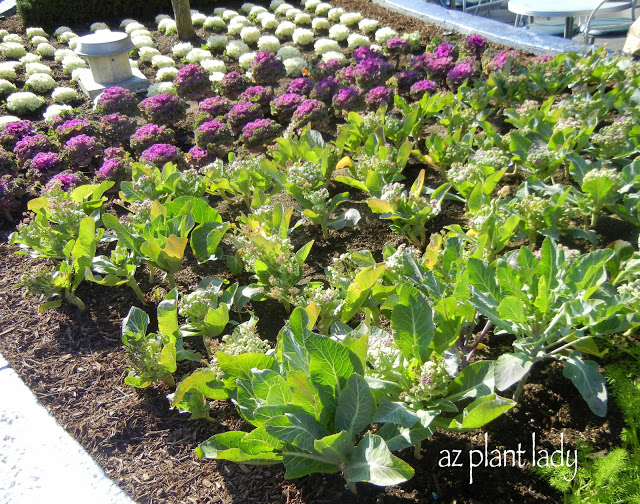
column 39, row 461
column 494, row 31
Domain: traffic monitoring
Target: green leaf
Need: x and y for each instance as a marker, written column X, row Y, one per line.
column 510, row 369
column 399, row 438
column 510, row 309
column 303, row 393
column 473, row 381
column 336, row 448
column 355, row 406
column 299, row 463
column 373, row 462
column 233, row 447
column 586, row 377
column 205, row 239
column 168, row 314
column 136, row 322
column 359, row 290
column 395, row 413
column 483, row 278
column 240, row 366
column 205, row 382
column 483, row 410
column 412, row 324
column 299, row 430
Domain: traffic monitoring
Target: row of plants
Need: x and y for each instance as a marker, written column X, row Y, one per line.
column 385, row 350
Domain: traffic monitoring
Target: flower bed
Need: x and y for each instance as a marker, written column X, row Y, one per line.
column 502, row 179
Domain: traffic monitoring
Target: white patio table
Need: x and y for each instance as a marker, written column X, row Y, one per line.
column 567, row 9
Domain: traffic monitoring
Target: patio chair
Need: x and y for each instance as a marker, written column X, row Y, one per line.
column 607, row 26
column 548, row 27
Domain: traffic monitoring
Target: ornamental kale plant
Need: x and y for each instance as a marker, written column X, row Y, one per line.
column 266, row 68
column 29, row 146
column 232, row 84
column 160, row 154
column 116, row 99
column 151, row 134
column 215, row 106
column 162, row 109
column 285, row 105
column 15, row 131
column 213, row 136
column 74, row 127
column 192, row 82
column 80, row 150
column 243, row 113
column 311, row 112
column 44, row 162
column 259, row 132
column 261, row 95
column 117, row 128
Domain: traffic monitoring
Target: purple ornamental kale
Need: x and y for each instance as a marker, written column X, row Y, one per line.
column 150, row 134
column 197, row 157
column 421, row 87
column 116, row 153
column 301, row 86
column 29, row 146
column 116, row 99
column 446, row 50
column 404, row 79
column 215, row 106
column 347, row 76
column 439, row 67
column 259, row 132
column 45, row 161
column 460, row 73
column 64, row 181
column 396, row 46
column 74, row 127
column 372, row 72
column 500, row 59
column 285, row 105
column 310, row 111
column 242, row 113
column 163, row 108
column 378, row 96
column 267, row 69
column 192, row 82
column 475, row 43
column 363, row 53
column 15, row 131
column 232, row 84
column 117, row 128
column 160, row 154
column 211, row 135
column 258, row 94
column 347, row 99
column 111, row 169
column 328, row 68
column 325, row 89
column 81, row 149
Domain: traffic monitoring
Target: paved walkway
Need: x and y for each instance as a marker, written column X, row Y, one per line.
column 39, row 461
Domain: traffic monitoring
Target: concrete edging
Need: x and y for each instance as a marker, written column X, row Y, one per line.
column 39, row 460
column 494, row 31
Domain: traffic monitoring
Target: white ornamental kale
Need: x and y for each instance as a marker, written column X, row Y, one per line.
column 198, row 18
column 269, row 43
column 167, row 74
column 323, row 8
column 335, row 13
column 64, row 95
column 384, row 34
column 33, row 68
column 217, row 43
column 98, row 26
column 213, row 65
column 237, row 24
column 250, row 35
column 54, row 111
column 320, row 24
column 181, row 49
column 236, row 48
column 167, row 26
column 12, row 50
column 66, row 37
column 302, row 19
column 339, row 32
column 269, row 22
column 7, row 87
column 24, row 102
column 36, row 32
column 246, row 59
column 350, row 18
column 30, row 58
column 59, row 31
column 38, row 40
column 72, row 62
column 356, row 40
column 368, row 25
column 162, row 61
column 143, row 41
column 334, row 55
column 161, row 88
column 294, row 66
column 326, row 45
column 196, row 55
column 131, row 27
column 215, row 23
column 40, row 83
column 286, row 52
column 8, row 70
column 285, row 30
column 302, row 36
column 45, row 50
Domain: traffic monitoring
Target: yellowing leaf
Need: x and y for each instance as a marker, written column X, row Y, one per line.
column 344, row 162
column 430, row 257
column 175, row 246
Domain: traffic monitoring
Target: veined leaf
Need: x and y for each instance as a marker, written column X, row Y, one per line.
column 298, row 463
column 399, row 438
column 136, row 322
column 355, row 406
column 586, row 377
column 233, row 447
column 412, row 324
column 373, row 462
column 205, row 382
column 482, row 411
column 299, row 430
column 510, row 369
column 336, row 448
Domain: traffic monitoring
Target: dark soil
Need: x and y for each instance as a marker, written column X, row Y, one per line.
column 75, row 364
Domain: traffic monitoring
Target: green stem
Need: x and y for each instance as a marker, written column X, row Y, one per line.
column 520, row 387
column 416, row 450
column 152, row 275
column 563, row 347
column 131, row 282
column 594, row 219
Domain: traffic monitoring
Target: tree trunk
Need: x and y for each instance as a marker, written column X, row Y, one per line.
column 182, row 13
